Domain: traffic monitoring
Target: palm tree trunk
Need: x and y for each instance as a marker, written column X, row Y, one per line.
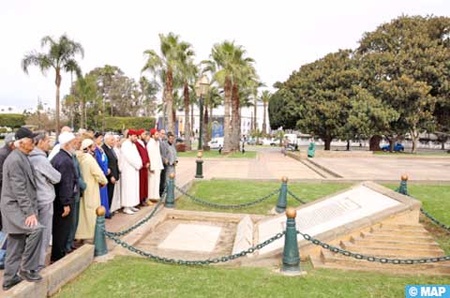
column 255, row 110
column 227, row 129
column 235, row 117
column 192, row 120
column 264, row 125
column 187, row 125
column 169, row 101
column 57, row 105
column 82, row 107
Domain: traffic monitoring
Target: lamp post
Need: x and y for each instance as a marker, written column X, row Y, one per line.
column 201, row 88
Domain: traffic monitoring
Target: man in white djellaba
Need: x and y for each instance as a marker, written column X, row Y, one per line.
column 156, row 166
column 131, row 164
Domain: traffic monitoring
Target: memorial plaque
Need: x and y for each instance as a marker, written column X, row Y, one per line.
column 323, row 216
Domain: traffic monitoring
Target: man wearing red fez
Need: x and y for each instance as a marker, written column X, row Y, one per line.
column 143, row 172
column 156, row 166
column 130, row 167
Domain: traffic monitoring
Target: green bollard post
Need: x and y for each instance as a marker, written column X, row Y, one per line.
column 291, row 256
column 99, row 236
column 403, row 189
column 282, row 198
column 199, row 162
column 170, row 197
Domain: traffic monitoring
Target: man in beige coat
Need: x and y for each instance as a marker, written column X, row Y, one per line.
column 93, row 176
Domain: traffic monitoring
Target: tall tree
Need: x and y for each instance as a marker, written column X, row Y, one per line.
column 173, row 53
column 187, row 73
column 60, row 57
column 228, row 65
column 407, row 60
column 265, row 98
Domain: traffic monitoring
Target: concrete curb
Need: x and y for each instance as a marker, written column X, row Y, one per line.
column 54, row 277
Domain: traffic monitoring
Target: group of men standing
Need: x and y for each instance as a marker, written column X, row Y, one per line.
column 53, row 198
column 146, row 160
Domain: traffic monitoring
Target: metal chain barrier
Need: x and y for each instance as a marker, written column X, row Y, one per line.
column 295, row 197
column 434, row 220
column 194, row 262
column 222, row 206
column 372, row 258
column 140, row 223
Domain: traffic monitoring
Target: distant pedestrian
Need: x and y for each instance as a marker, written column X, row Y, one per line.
column 285, row 146
column 20, row 213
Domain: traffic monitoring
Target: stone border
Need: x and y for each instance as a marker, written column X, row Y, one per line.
column 54, row 277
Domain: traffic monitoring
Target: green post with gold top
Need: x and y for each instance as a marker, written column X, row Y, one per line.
column 99, row 237
column 282, row 198
column 291, row 256
column 403, row 189
column 170, row 198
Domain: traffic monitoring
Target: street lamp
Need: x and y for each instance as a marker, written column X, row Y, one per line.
column 201, row 88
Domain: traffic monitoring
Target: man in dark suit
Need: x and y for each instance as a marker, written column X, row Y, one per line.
column 19, row 213
column 113, row 165
column 65, row 191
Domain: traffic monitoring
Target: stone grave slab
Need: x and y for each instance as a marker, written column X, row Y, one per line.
column 192, row 237
column 244, row 235
column 325, row 215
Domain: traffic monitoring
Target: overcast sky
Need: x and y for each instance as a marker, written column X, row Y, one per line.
column 280, row 35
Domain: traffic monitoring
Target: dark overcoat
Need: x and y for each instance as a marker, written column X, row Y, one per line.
column 18, row 193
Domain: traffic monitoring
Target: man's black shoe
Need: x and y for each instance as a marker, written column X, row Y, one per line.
column 30, row 275
column 14, row 281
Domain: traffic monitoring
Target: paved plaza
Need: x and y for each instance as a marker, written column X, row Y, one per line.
column 271, row 164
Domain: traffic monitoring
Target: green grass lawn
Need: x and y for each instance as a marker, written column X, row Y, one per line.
column 216, row 154
column 137, row 277
column 220, row 192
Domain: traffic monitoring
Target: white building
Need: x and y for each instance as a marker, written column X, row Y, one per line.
column 246, row 118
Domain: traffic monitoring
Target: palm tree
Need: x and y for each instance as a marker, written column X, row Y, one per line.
column 173, row 53
column 187, row 72
column 226, row 59
column 245, row 83
column 85, row 91
column 265, row 98
column 60, row 57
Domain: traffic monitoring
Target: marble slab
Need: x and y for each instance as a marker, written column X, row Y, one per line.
column 192, row 237
column 336, row 211
column 244, row 235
